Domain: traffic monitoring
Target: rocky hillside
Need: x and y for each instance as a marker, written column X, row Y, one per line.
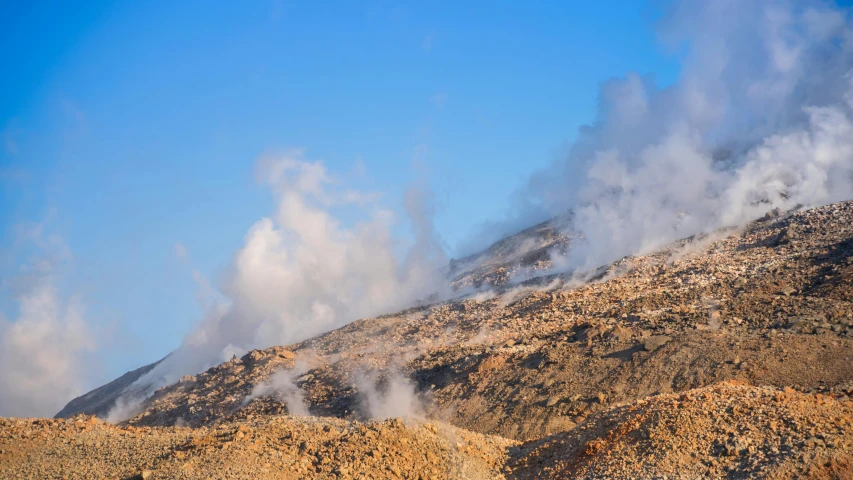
column 727, row 430
column 729, row 355
column 525, row 252
column 100, row 400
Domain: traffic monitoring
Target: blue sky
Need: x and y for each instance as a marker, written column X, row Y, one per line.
column 130, row 127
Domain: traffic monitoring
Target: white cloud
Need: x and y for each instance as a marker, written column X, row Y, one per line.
column 760, row 118
column 303, row 271
column 44, row 350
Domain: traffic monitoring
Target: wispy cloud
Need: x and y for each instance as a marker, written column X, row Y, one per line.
column 45, row 351
column 302, row 271
column 761, row 117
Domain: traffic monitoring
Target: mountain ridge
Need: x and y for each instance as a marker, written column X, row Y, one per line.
column 747, row 332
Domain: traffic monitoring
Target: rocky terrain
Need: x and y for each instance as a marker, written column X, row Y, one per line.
column 102, row 399
column 728, row 430
column 728, row 356
column 525, row 252
column 266, row 447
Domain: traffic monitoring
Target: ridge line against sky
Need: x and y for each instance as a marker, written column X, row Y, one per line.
column 130, row 131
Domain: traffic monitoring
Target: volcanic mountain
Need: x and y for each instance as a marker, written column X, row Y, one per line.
column 722, row 355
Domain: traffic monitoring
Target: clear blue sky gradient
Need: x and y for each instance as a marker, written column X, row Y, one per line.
column 130, row 126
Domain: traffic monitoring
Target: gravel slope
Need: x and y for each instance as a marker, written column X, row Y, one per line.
column 686, row 351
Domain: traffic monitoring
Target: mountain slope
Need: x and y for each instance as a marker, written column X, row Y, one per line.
column 549, row 361
column 527, row 251
column 100, row 400
column 757, row 305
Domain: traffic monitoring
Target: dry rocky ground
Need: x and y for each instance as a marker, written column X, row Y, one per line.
column 725, row 356
column 264, row 447
column 725, row 430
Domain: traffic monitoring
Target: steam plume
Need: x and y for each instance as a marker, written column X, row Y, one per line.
column 760, row 118
column 302, row 271
column 44, row 351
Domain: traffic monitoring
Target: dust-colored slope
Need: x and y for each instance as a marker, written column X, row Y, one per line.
column 260, row 448
column 562, row 361
column 525, row 392
column 765, row 304
column 727, row 430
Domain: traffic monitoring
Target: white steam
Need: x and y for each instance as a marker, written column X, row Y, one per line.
column 45, row 350
column 124, row 408
column 761, row 117
column 282, row 385
column 303, row 271
column 395, row 397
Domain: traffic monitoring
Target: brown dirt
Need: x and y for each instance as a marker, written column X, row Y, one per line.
column 727, row 430
column 267, row 447
column 647, row 344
